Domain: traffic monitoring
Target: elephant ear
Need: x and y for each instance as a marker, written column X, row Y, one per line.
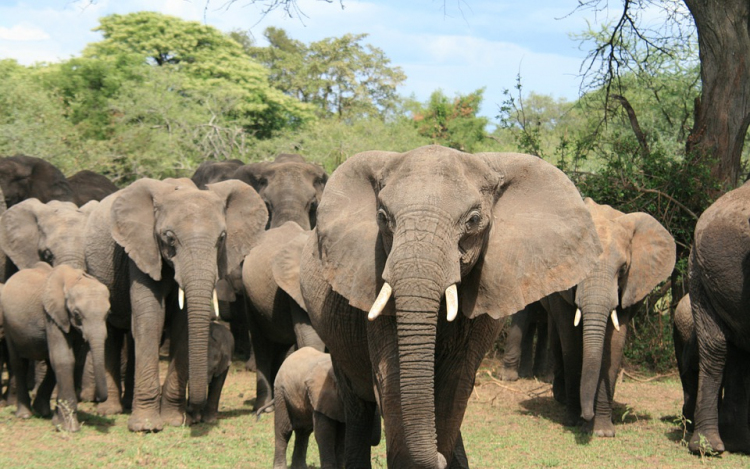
column 187, row 182
column 20, row 232
column 652, row 257
column 246, row 218
column 55, row 293
column 322, row 390
column 542, row 239
column 351, row 252
column 285, row 265
column 320, row 181
column 601, row 211
column 134, row 223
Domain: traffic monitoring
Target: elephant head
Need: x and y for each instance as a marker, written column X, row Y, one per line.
column 23, row 177
column 201, row 235
column 638, row 253
column 290, row 187
column 73, row 298
column 32, row 231
column 485, row 234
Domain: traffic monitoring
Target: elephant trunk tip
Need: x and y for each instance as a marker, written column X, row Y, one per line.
column 587, row 414
column 101, row 395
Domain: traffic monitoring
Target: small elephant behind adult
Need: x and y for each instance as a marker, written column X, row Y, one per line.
column 638, row 253
column 524, row 357
column 306, row 401
column 276, row 310
column 173, row 396
column 49, row 313
column 88, row 185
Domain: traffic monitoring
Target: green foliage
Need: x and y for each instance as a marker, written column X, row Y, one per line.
column 209, row 60
column 339, row 75
column 451, row 122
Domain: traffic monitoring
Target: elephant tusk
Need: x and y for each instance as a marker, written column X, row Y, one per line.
column 614, row 320
column 380, row 302
column 181, row 297
column 577, row 319
column 451, row 302
column 216, row 304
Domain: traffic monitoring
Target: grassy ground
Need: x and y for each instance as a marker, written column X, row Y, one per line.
column 507, row 425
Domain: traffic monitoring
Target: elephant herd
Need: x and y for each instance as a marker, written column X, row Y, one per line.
column 401, row 266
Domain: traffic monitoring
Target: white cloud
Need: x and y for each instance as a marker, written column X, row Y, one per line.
column 23, row 33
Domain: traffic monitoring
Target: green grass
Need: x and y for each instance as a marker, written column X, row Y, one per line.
column 507, row 425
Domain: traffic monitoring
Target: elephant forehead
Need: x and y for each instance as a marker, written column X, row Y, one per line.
column 190, row 199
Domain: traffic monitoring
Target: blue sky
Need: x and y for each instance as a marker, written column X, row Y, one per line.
column 456, row 45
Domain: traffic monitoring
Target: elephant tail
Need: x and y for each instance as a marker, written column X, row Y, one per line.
column 266, row 409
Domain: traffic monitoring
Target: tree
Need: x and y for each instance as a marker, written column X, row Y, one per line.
column 341, row 76
column 209, row 59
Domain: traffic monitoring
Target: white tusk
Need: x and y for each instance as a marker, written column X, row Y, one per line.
column 451, row 302
column 380, row 302
column 181, row 297
column 216, row 304
column 614, row 320
column 577, row 319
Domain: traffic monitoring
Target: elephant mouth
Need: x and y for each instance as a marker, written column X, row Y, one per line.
column 451, row 302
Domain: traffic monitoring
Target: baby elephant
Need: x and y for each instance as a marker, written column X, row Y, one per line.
column 306, row 399
column 173, row 400
column 48, row 314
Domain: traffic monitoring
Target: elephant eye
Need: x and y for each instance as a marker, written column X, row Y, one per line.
column 472, row 223
column 47, row 256
column 169, row 237
column 383, row 219
column 222, row 237
column 77, row 319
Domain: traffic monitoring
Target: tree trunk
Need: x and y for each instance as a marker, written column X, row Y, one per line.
column 722, row 114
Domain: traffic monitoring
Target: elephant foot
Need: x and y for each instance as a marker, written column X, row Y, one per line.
column 87, row 394
column 176, row 417
column 109, row 407
column 604, row 428
column 23, row 412
column 42, row 407
column 210, row 416
column 145, row 421
column 706, row 443
column 66, row 421
column 736, row 441
column 507, row 374
column 558, row 391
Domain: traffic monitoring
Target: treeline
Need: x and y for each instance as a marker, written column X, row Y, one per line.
column 158, row 95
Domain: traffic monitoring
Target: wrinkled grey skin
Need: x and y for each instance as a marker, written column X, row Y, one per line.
column 88, row 185
column 423, row 221
column 721, row 314
column 23, row 177
column 524, row 358
column 48, row 313
column 306, row 401
column 638, row 254
column 290, row 186
column 220, row 349
column 210, row 172
column 143, row 242
column 276, row 313
column 686, row 352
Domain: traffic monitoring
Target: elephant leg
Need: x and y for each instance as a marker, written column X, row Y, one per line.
column 173, row 393
column 266, row 353
column 239, row 328
column 689, row 377
column 4, row 360
column 20, row 367
column 514, row 345
column 62, row 365
column 147, row 301
column 360, row 415
column 44, row 391
column 299, row 454
column 733, row 410
column 303, row 330
column 85, row 375
column 282, row 433
column 571, row 344
column 325, row 429
column 712, row 352
column 211, row 412
column 557, row 366
column 113, row 348
column 542, row 369
column 341, row 442
column 459, row 461
column 128, row 364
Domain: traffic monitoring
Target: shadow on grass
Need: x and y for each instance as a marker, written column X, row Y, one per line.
column 203, row 429
column 99, row 423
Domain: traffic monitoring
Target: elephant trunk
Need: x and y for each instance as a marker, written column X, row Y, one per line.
column 596, row 304
column 289, row 212
column 100, row 379
column 418, row 291
column 199, row 297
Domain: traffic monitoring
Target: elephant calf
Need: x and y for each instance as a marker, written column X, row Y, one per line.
column 306, row 399
column 48, row 313
column 220, row 350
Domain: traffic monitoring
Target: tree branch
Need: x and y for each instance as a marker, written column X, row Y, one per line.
column 633, row 123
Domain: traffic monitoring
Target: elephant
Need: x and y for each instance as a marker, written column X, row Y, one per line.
column 686, row 352
column 290, row 186
column 436, row 232
column 144, row 241
column 718, row 282
column 23, row 177
column 523, row 357
column 276, row 314
column 88, row 185
column 220, row 349
column 210, row 172
column 638, row 254
column 48, row 313
column 306, row 401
